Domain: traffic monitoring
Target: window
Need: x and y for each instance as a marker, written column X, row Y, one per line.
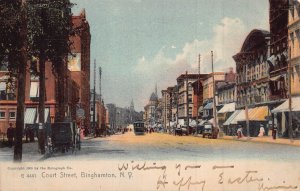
column 12, row 115
column 4, row 64
column 2, row 115
column 2, row 91
column 34, row 89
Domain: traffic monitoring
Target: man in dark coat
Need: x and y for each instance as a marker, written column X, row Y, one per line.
column 10, row 135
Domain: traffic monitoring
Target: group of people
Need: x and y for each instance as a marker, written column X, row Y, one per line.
column 261, row 131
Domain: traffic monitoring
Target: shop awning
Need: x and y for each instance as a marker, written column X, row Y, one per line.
column 200, row 109
column 209, row 105
column 193, row 123
column 181, row 122
column 230, row 107
column 258, row 113
column 284, row 107
column 229, row 120
column 172, row 123
column 30, row 116
column 202, row 122
column 241, row 116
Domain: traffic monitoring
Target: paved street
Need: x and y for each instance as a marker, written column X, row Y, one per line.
column 158, row 146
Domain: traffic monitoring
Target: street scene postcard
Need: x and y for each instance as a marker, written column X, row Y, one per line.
column 149, row 95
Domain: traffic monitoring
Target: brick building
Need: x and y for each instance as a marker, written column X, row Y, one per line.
column 8, row 102
column 79, row 62
column 198, row 97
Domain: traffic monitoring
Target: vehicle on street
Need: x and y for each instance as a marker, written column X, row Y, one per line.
column 207, row 130
column 139, row 128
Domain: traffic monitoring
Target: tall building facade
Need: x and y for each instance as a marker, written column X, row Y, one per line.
column 79, row 62
column 209, row 88
column 294, row 46
column 278, row 19
column 253, row 87
column 185, row 97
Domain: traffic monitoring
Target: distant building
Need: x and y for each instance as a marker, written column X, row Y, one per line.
column 226, row 92
column 150, row 115
column 198, row 97
column 208, row 93
column 100, row 113
column 112, row 113
column 185, row 97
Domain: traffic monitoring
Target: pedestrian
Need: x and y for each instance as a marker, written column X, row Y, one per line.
column 274, row 131
column 10, row 135
column 239, row 132
column 81, row 131
column 261, row 131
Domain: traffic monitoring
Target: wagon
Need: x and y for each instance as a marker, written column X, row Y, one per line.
column 64, row 137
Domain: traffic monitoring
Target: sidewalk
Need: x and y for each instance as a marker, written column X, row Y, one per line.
column 30, row 153
column 265, row 139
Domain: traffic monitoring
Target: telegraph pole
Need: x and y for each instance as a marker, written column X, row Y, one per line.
column 100, row 76
column 214, row 91
column 290, row 129
column 94, row 100
column 198, row 100
column 187, row 100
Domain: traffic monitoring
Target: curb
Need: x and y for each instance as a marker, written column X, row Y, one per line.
column 252, row 140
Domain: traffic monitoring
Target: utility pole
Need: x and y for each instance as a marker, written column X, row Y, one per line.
column 94, row 100
column 290, row 95
column 214, row 91
column 177, row 100
column 100, row 76
column 198, row 100
column 247, row 115
column 187, row 99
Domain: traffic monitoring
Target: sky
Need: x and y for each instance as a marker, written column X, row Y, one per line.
column 141, row 43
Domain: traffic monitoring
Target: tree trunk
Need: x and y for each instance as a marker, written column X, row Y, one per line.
column 21, row 91
column 42, row 91
column 60, row 90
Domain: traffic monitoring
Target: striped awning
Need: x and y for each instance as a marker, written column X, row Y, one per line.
column 230, row 107
column 232, row 117
column 30, row 116
column 46, row 115
column 284, row 107
column 208, row 106
column 258, row 113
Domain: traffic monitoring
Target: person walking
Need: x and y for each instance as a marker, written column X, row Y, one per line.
column 10, row 135
column 261, row 131
column 274, row 131
column 239, row 132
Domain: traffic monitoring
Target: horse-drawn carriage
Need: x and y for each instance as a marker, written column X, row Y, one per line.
column 64, row 137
